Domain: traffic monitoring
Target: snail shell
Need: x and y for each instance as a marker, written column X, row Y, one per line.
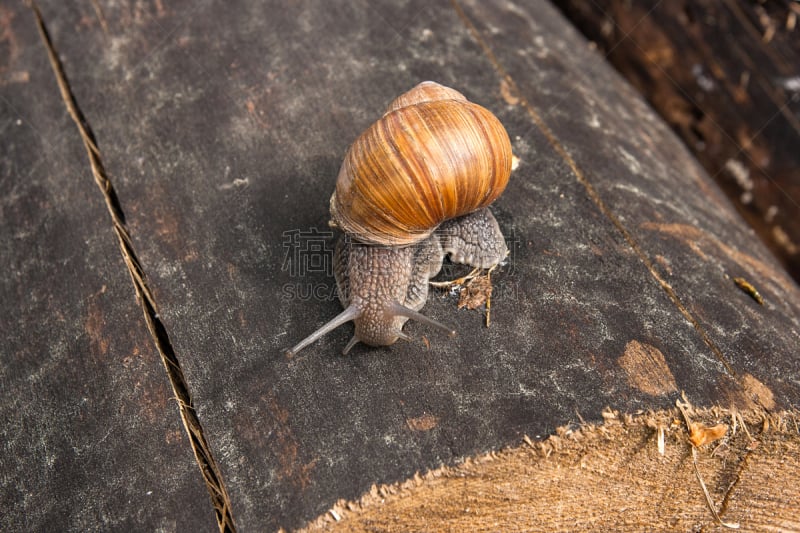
column 431, row 157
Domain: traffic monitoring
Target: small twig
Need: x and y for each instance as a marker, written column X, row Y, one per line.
column 709, row 501
column 489, row 298
column 744, row 426
column 457, row 281
column 692, row 427
column 682, row 407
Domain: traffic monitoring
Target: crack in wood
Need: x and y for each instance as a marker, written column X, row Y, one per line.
column 731, row 490
column 590, row 190
column 209, row 469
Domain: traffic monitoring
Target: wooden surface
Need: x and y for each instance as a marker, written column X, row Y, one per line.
column 725, row 74
column 91, row 435
column 221, row 129
column 609, row 477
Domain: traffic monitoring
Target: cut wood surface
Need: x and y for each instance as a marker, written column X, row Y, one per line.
column 631, row 473
column 215, row 132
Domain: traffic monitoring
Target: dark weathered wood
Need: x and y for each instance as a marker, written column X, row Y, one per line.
column 677, row 222
column 725, row 74
column 90, row 432
column 222, row 128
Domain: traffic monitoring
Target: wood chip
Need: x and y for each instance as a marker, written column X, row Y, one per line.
column 748, row 288
column 700, row 434
column 475, row 292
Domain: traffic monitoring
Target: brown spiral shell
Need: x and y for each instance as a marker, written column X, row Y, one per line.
column 431, row 157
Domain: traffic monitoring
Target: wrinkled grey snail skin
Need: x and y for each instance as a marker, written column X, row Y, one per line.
column 381, row 287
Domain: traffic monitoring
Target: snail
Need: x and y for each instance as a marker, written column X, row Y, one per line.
column 413, row 188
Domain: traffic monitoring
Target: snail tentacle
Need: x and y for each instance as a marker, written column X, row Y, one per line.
column 401, row 310
column 350, row 345
column 351, row 313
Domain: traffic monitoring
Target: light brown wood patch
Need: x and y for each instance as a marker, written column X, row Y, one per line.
column 425, row 422
column 647, row 369
column 582, row 480
column 757, row 392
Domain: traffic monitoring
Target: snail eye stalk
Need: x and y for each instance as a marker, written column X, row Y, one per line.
column 351, row 313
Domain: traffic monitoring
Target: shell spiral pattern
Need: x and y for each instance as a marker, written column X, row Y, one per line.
column 433, row 156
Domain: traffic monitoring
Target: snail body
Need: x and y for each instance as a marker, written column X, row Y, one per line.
column 413, row 188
